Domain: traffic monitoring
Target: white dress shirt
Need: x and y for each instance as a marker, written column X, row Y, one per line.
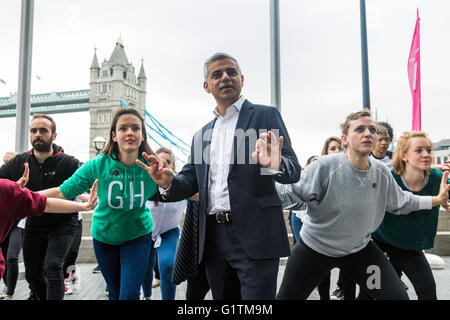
column 220, row 158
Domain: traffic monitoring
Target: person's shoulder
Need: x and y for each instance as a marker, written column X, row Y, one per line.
column 436, row 173
column 60, row 154
column 16, row 163
column 6, row 185
column 21, row 157
column 260, row 107
column 334, row 159
column 379, row 165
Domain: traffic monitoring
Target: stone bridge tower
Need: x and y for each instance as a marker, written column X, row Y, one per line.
column 114, row 80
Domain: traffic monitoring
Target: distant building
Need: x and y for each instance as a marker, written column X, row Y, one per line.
column 441, row 151
column 109, row 84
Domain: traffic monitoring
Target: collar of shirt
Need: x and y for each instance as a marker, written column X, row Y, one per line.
column 235, row 106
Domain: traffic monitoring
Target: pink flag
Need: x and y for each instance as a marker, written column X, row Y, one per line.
column 414, row 76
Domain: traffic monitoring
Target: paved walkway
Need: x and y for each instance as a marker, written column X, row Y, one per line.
column 92, row 286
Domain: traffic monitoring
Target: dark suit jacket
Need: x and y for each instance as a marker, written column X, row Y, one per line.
column 255, row 205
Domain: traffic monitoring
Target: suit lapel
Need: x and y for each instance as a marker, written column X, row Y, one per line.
column 245, row 114
column 206, row 148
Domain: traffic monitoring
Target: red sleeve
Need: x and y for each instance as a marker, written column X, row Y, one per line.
column 20, row 202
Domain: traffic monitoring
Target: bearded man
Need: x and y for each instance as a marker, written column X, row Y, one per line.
column 47, row 238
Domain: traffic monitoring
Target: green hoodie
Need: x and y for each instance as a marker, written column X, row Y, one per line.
column 121, row 214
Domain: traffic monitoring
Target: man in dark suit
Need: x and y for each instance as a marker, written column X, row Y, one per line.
column 234, row 162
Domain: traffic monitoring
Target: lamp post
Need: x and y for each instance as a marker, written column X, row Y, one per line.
column 275, row 54
column 364, row 56
column 99, row 143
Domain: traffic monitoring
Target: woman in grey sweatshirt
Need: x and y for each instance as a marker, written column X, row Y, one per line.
column 347, row 196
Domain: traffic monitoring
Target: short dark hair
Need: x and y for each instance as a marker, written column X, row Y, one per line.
column 44, row 116
column 388, row 127
column 216, row 57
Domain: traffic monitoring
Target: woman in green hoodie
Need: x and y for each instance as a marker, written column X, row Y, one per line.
column 121, row 224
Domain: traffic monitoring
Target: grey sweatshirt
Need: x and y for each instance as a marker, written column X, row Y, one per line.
column 346, row 205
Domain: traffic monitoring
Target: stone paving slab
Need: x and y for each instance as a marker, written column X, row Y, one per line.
column 92, row 286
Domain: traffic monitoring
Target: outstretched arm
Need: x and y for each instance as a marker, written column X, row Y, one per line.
column 53, row 193
column 55, row 205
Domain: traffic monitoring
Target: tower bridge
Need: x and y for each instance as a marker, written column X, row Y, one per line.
column 112, row 83
column 49, row 103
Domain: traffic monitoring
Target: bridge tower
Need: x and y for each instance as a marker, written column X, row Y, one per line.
column 114, row 80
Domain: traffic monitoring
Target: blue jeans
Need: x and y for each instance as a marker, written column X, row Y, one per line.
column 123, row 266
column 166, row 259
column 296, row 226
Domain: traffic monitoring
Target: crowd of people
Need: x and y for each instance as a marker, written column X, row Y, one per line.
column 358, row 207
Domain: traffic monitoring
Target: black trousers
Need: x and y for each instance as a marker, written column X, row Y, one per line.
column 71, row 257
column 368, row 267
column 231, row 273
column 198, row 286
column 44, row 249
column 413, row 264
column 12, row 259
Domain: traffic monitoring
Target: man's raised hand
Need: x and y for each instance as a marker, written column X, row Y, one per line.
column 268, row 150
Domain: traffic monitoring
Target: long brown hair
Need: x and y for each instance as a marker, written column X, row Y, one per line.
column 112, row 147
column 327, row 143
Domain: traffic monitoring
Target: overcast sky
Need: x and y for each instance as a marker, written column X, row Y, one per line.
column 320, row 60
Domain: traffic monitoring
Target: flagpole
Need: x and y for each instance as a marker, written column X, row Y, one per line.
column 23, row 94
column 414, row 76
column 364, row 56
column 275, row 54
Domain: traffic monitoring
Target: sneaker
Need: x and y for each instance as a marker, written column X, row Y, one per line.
column 3, row 294
column 337, row 294
column 68, row 291
column 71, row 279
column 96, row 269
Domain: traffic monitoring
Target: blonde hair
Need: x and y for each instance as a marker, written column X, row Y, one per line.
column 9, row 155
column 403, row 144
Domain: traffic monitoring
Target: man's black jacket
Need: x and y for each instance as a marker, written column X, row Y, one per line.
column 52, row 173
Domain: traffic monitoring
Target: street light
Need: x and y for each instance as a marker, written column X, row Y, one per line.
column 99, row 143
